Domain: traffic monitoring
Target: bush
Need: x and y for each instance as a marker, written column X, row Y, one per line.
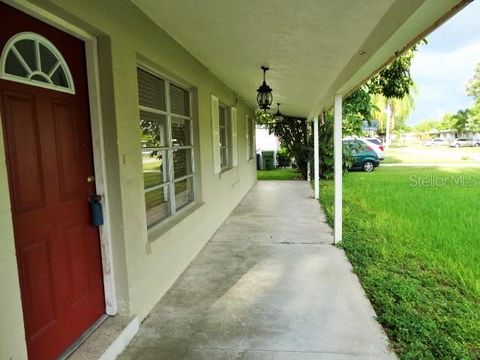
column 325, row 135
column 284, row 159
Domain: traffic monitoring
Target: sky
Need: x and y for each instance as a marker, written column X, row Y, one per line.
column 441, row 69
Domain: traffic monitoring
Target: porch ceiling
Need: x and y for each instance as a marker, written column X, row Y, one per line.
column 315, row 48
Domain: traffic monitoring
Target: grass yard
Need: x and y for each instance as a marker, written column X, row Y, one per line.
column 416, row 250
column 279, row 174
column 431, row 155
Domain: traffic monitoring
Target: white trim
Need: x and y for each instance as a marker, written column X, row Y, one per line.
column 247, row 137
column 38, row 39
column 215, row 121
column 316, row 159
column 91, row 56
column 122, row 340
column 184, row 177
column 234, row 135
column 111, row 307
column 338, row 171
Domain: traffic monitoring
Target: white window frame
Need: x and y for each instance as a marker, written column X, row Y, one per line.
column 170, row 148
column 38, row 39
column 227, row 128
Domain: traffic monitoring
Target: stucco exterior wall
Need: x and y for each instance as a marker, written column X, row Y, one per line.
column 146, row 264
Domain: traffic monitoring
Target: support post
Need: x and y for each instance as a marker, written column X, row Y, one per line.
column 338, row 171
column 388, row 111
column 316, row 159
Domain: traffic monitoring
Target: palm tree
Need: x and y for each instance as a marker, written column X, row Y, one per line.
column 399, row 109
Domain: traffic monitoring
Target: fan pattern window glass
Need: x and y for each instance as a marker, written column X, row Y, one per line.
column 30, row 58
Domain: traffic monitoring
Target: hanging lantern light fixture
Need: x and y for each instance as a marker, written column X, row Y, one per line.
column 278, row 115
column 264, row 93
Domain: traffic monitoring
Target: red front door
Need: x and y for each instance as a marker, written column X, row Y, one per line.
column 49, row 158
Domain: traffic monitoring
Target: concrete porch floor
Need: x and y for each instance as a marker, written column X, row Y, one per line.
column 268, row 285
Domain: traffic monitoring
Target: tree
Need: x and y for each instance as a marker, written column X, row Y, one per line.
column 294, row 136
column 325, row 143
column 461, row 120
column 473, row 86
column 447, row 122
column 400, row 110
column 395, row 81
column 427, row 126
column 357, row 108
column 474, row 119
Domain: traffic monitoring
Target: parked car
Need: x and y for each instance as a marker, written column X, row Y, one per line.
column 464, row 142
column 379, row 149
column 364, row 157
column 436, row 142
column 376, row 141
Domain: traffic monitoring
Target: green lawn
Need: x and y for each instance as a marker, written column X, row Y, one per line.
column 431, row 155
column 279, row 174
column 416, row 250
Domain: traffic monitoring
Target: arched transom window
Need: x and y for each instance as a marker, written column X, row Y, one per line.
column 30, row 58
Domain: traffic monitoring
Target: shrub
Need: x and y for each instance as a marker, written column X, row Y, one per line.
column 284, row 159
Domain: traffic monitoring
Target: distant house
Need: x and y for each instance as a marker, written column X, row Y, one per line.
column 266, row 144
column 409, row 138
column 452, row 134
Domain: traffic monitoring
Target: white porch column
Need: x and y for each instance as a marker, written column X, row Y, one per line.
column 388, row 111
column 338, row 172
column 316, row 159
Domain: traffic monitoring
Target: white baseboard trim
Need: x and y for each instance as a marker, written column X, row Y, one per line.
column 122, row 341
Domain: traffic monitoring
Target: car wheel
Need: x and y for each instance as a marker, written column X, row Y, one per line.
column 477, row 144
column 368, row 166
column 457, row 145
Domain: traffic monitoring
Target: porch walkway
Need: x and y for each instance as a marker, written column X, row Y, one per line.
column 268, row 285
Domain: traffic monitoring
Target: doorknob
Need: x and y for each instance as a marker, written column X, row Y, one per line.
column 90, row 179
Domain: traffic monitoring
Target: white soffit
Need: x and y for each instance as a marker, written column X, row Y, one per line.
column 315, row 48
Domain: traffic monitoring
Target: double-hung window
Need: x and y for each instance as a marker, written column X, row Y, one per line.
column 225, row 137
column 167, row 146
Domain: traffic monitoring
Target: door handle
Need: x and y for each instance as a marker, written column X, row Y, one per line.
column 90, row 179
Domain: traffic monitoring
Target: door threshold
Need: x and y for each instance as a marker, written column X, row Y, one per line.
column 71, row 349
column 108, row 340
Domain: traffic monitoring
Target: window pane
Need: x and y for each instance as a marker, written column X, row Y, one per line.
column 157, row 205
column 26, row 48
column 59, row 78
column 38, row 77
column 181, row 132
column 223, row 136
column 151, row 90
column 182, row 162
column 221, row 116
column 154, row 129
column 47, row 59
column 179, row 101
column 183, row 192
column 224, row 157
column 13, row 66
column 154, row 168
